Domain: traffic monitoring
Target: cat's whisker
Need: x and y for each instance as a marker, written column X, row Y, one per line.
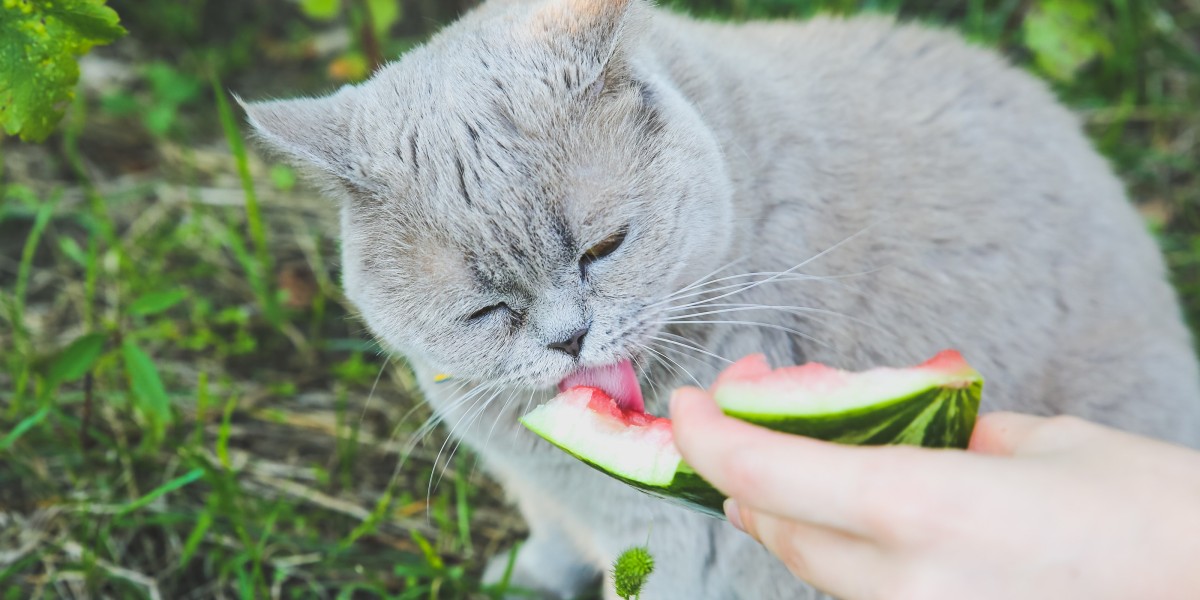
column 683, row 339
column 797, row 310
column 704, row 280
column 674, row 362
column 802, row 264
column 512, row 396
column 423, row 402
column 450, row 436
column 424, row 429
column 458, row 440
column 693, row 348
column 436, row 419
column 755, row 324
column 699, row 289
column 767, row 276
column 421, row 433
column 659, row 358
column 528, row 403
column 387, row 360
column 648, row 368
column 642, row 365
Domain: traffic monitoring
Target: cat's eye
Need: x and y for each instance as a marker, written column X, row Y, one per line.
column 603, row 250
column 487, row 311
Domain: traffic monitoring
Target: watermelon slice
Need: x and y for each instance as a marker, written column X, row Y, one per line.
column 600, row 416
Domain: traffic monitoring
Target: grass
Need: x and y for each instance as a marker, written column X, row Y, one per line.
column 188, row 408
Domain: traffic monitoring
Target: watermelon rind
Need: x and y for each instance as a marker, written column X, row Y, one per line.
column 933, row 418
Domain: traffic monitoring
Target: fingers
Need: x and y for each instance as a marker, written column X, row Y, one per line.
column 836, row 562
column 790, row 476
column 1003, row 433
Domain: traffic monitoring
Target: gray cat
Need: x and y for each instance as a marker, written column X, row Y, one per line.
column 552, row 189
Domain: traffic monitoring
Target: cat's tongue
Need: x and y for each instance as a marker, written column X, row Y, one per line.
column 618, row 381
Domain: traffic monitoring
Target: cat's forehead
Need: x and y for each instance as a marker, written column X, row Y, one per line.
column 502, row 71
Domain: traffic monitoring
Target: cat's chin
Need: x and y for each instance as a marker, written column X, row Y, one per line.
column 618, row 380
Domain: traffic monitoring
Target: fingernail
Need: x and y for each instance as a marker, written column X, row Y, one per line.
column 734, row 513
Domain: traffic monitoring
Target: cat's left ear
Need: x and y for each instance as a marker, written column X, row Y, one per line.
column 315, row 135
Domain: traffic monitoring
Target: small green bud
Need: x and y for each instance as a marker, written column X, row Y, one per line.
column 631, row 570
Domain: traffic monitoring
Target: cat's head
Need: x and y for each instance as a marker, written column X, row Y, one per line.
column 524, row 177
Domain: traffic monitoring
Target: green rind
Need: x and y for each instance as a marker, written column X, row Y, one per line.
column 940, row 417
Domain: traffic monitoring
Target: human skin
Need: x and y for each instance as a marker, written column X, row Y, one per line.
column 1037, row 508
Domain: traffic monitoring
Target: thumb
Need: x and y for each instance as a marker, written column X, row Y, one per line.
column 1002, row 433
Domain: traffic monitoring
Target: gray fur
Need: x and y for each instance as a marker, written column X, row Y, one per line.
column 936, row 196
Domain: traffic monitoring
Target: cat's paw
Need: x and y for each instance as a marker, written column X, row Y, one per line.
column 542, row 571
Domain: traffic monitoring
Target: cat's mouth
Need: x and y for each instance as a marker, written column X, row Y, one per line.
column 618, row 381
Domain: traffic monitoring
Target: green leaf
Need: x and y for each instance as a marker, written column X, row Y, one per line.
column 76, row 359
column 25, row 425
column 71, row 248
column 40, row 41
column 160, row 118
column 156, row 302
column 283, row 177
column 384, row 14
column 149, row 394
column 1064, row 36
column 323, row 10
column 172, row 86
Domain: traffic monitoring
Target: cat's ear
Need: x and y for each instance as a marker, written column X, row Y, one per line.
column 598, row 34
column 593, row 27
column 599, row 18
column 314, row 134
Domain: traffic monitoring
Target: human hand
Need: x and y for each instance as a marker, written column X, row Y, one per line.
column 1039, row 508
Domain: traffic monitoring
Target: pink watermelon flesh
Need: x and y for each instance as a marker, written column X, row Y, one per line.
column 608, row 436
column 618, row 381
column 751, row 386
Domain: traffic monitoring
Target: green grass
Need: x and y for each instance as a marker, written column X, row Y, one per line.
column 188, row 408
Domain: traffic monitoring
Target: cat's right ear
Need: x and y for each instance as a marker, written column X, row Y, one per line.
column 314, row 134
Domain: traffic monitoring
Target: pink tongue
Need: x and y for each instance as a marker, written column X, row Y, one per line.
column 618, row 381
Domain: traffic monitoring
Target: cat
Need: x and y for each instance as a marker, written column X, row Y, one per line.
column 564, row 188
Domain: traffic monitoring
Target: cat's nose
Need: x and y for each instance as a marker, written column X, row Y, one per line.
column 572, row 345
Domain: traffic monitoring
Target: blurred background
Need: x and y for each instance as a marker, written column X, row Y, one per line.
column 188, row 408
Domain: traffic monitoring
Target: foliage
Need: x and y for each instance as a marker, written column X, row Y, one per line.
column 375, row 19
column 40, row 41
column 1063, row 37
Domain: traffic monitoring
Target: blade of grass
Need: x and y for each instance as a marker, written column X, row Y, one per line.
column 25, row 425
column 224, row 432
column 203, row 523
column 202, row 399
column 179, row 482
column 258, row 232
column 21, row 362
column 463, row 509
column 25, row 268
column 382, row 509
